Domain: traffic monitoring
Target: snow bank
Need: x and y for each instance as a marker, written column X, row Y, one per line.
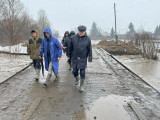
column 14, row 49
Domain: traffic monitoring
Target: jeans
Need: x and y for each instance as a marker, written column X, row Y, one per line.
column 69, row 61
column 37, row 64
column 82, row 72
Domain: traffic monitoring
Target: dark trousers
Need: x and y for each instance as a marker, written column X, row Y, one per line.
column 37, row 64
column 69, row 61
column 82, row 72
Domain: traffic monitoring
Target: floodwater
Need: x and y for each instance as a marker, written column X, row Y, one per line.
column 106, row 108
column 148, row 69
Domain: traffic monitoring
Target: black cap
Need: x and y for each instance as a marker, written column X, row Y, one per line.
column 72, row 33
column 82, row 28
column 33, row 31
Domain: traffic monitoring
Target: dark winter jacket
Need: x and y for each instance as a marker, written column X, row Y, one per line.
column 80, row 50
column 67, row 44
column 33, row 47
column 65, row 37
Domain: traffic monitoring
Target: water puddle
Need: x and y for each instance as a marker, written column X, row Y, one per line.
column 108, row 108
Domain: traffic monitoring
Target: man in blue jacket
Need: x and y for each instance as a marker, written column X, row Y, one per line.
column 52, row 50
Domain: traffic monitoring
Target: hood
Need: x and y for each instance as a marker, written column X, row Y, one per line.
column 67, row 32
column 72, row 33
column 48, row 30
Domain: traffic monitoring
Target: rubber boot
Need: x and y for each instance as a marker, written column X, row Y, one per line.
column 37, row 74
column 76, row 81
column 57, row 77
column 82, row 85
column 47, row 80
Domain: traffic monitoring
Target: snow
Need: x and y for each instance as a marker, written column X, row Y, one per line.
column 14, row 49
column 9, row 65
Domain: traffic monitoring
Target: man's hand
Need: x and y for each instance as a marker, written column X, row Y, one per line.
column 40, row 57
column 89, row 61
column 58, row 58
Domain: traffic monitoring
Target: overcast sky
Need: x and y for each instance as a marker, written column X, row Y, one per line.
column 67, row 14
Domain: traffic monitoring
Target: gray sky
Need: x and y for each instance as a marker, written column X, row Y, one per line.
column 67, row 14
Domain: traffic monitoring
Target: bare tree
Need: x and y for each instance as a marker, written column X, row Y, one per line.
column 12, row 20
column 148, row 45
column 43, row 21
column 2, row 4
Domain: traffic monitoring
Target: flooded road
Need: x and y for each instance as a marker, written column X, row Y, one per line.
column 108, row 89
column 106, row 108
column 149, row 70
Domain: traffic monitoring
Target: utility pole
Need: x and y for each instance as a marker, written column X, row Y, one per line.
column 116, row 36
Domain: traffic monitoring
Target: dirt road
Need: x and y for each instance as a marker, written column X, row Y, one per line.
column 108, row 90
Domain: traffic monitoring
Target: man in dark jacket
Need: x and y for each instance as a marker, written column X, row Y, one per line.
column 80, row 50
column 67, row 44
column 33, row 50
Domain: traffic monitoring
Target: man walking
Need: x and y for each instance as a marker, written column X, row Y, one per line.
column 80, row 50
column 67, row 44
column 33, row 50
column 52, row 50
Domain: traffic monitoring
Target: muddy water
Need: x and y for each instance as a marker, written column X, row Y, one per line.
column 108, row 108
column 148, row 69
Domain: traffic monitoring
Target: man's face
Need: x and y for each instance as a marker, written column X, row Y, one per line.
column 34, row 34
column 47, row 35
column 82, row 33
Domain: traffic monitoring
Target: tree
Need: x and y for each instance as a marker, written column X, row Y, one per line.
column 94, row 31
column 130, row 34
column 43, row 21
column 131, row 28
column 157, row 31
column 112, row 34
column 2, row 4
column 12, row 20
column 148, row 45
column 99, row 34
